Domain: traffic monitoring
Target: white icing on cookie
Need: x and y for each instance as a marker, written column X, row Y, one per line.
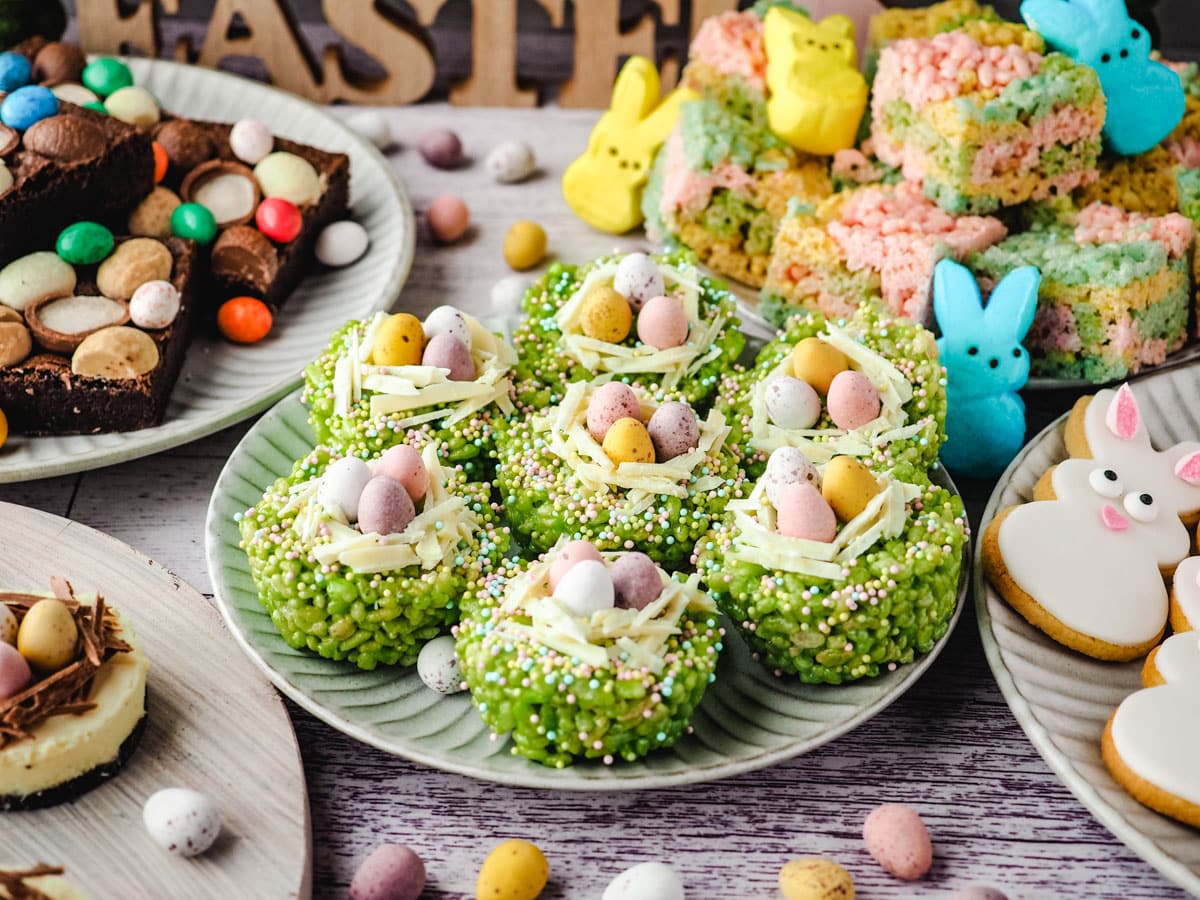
column 1186, row 587
column 1088, row 563
column 1156, row 731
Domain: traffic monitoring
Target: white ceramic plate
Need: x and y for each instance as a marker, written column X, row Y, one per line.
column 1063, row 699
column 223, row 383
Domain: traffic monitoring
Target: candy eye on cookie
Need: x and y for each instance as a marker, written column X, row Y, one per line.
column 1141, row 507
column 1106, row 482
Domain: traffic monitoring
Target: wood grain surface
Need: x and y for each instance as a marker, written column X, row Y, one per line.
column 950, row 747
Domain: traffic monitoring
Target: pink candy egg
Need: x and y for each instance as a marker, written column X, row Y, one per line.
column 447, row 352
column 853, row 400
column 792, row 403
column 384, row 507
column 662, row 323
column 404, row 464
column 636, row 580
column 15, row 673
column 899, row 841
column 448, row 218
column 572, row 552
column 391, row 872
column 674, row 430
column 610, row 402
column 787, row 465
column 803, row 513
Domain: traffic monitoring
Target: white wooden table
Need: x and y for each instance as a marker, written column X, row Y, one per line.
column 951, row 748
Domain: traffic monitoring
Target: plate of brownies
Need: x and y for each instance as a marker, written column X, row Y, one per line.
column 159, row 271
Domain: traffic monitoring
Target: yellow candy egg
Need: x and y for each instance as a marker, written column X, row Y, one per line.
column 516, row 870
column 848, row 486
column 399, row 341
column 3, row 428
column 605, row 315
column 815, row 878
column 524, row 245
column 48, row 635
column 628, row 440
column 817, row 362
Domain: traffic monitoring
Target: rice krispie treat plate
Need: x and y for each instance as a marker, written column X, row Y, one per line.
column 1063, row 699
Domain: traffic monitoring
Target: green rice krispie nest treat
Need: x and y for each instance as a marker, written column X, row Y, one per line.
column 897, row 356
column 574, row 332
column 370, row 598
column 570, row 681
column 364, row 408
column 555, row 479
column 882, row 591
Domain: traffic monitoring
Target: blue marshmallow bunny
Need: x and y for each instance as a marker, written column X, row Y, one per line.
column 1145, row 98
column 985, row 365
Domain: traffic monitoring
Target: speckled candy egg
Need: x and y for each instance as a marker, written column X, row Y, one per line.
column 8, row 625
column 853, row 400
column 342, row 485
column 586, row 588
column 571, row 553
column 647, row 881
column 448, row 320
column 628, row 441
column 154, row 305
column 448, row 218
column 638, row 280
column 437, row 666
column 48, row 635
column 524, row 245
column 662, row 323
column 399, row 341
column 791, row 403
column 848, row 486
column 516, row 870
column 340, row 244
column 391, row 872
column 636, row 580
column 899, row 841
column 787, row 465
column 815, row 361
column 510, row 162
column 979, row 892
column 251, row 141
column 15, row 673
column 181, row 821
column 815, row 878
column 404, row 464
column 372, row 125
column 674, row 430
column 610, row 402
column 448, row 352
column 384, row 507
column 803, row 513
column 441, row 148
column 605, row 315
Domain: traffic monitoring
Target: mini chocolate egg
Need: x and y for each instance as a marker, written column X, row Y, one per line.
column 181, row 821
column 340, row 244
column 134, row 106
column 610, row 402
column 441, row 148
column 571, row 553
column 897, row 838
column 404, row 464
column 636, row 580
column 447, row 352
column 586, row 588
column 154, row 305
column 605, row 315
column 48, row 635
column 384, row 507
column 787, row 465
column 251, row 141
column 286, row 175
column 447, row 320
column 815, row 878
column 510, row 162
column 646, row 881
column 508, row 294
column 515, row 870
column 8, row 625
column 848, row 486
column 342, row 485
column 437, row 666
column 399, row 341
column 803, row 513
column 372, row 125
column 791, row 403
column 817, row 362
column 638, row 279
column 524, row 245
column 391, row 872
column 628, row 441
column 853, row 400
column 448, row 218
column 662, row 323
column 15, row 674
column 674, row 430
column 978, row 892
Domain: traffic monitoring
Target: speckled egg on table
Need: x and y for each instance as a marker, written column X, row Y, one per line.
column 341, row 244
column 441, row 148
column 815, row 878
column 448, row 218
column 390, row 872
column 525, row 245
column 638, row 279
column 373, row 125
column 645, row 881
column 674, row 430
column 897, row 838
column 610, row 402
column 510, row 162
column 182, row 821
column 515, row 870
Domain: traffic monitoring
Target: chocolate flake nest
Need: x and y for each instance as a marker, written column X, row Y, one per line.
column 65, row 691
column 14, row 881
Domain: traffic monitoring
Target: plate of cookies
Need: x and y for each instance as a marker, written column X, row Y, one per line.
column 1088, row 595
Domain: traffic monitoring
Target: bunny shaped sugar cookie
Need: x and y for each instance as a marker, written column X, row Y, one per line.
column 1145, row 98
column 604, row 185
column 1185, row 596
column 985, row 365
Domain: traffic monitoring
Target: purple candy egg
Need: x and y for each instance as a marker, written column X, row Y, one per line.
column 662, row 323
column 15, row 673
column 384, row 507
column 391, row 872
column 853, row 401
column 674, row 430
column 572, row 552
column 447, row 352
column 785, row 466
column 610, row 402
column 803, row 513
column 404, row 464
column 636, row 580
column 979, row 892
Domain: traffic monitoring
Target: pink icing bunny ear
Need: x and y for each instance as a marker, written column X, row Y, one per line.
column 1188, row 468
column 1123, row 417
